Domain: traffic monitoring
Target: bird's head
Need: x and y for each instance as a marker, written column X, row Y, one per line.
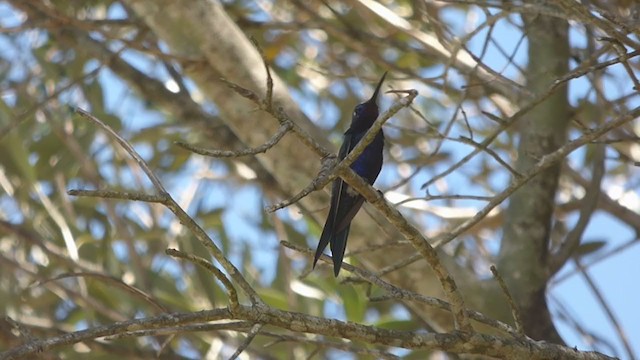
column 366, row 113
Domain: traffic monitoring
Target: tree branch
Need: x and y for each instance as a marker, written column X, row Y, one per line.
column 457, row 343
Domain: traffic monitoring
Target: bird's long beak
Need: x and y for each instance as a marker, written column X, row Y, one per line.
column 374, row 97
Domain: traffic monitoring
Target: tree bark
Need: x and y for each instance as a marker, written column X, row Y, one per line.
column 525, row 244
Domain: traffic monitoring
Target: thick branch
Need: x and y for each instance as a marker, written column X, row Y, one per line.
column 457, row 343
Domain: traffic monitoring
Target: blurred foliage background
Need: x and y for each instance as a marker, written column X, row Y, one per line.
column 151, row 71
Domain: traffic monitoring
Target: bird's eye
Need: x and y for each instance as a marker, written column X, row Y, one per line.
column 357, row 110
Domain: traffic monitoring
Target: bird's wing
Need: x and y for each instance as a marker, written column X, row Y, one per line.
column 328, row 232
column 338, row 247
column 344, row 205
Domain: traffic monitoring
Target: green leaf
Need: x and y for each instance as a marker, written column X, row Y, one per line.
column 273, row 297
column 14, row 147
column 354, row 302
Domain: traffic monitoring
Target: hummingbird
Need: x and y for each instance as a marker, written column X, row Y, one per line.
column 345, row 202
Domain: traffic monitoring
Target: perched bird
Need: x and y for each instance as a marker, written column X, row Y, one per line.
column 346, row 202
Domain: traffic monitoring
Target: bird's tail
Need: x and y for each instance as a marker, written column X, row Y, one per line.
column 338, row 247
column 338, row 243
column 327, row 233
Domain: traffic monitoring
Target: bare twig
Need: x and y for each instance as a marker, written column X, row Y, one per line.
column 592, row 260
column 512, row 304
column 607, row 309
column 161, row 321
column 325, row 177
column 624, row 56
column 268, row 100
column 185, row 219
column 417, row 239
column 394, row 292
column 112, row 280
column 122, row 195
column 327, row 343
column 491, row 153
column 255, row 329
column 444, row 197
column 280, row 115
column 128, row 148
column 24, row 331
column 506, row 123
column 233, row 295
column 589, row 204
column 544, row 163
column 399, row 264
column 328, row 163
column 284, row 128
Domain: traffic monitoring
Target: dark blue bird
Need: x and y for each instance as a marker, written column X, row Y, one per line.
column 346, row 202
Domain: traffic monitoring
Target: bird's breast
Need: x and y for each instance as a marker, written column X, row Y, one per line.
column 369, row 163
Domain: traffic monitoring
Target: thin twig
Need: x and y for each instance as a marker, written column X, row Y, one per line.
column 328, row 163
column 25, row 333
column 444, row 197
column 205, row 240
column 161, row 321
column 399, row 265
column 394, row 292
column 326, row 343
column 375, row 247
column 512, row 304
column 491, row 153
column 122, row 195
column 233, row 294
column 607, row 309
column 623, row 55
column 588, row 205
column 255, row 329
column 128, row 148
column 268, row 100
column 594, row 259
column 280, row 115
column 184, row 218
column 282, row 131
column 112, row 280
column 419, row 242
column 246, row 326
column 545, row 162
column 325, row 177
column 506, row 123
